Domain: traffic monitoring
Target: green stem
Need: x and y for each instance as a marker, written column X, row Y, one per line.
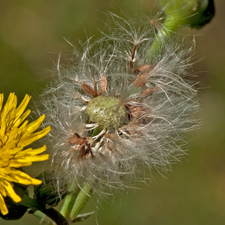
column 81, row 200
column 37, row 206
column 51, row 213
column 55, row 216
column 69, row 201
column 169, row 26
column 39, row 214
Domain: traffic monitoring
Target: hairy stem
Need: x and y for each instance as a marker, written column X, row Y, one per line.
column 169, row 26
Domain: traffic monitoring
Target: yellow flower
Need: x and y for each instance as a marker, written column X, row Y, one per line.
column 15, row 134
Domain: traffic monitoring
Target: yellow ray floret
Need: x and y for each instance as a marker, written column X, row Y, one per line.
column 16, row 133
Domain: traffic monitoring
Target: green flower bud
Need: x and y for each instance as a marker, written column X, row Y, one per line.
column 106, row 112
column 194, row 13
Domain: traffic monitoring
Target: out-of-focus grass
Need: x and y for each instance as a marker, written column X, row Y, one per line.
column 31, row 36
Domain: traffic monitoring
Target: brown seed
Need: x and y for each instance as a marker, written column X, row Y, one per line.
column 84, row 152
column 147, row 92
column 103, row 84
column 131, row 62
column 81, row 152
column 141, row 80
column 87, row 89
column 137, row 112
column 143, row 69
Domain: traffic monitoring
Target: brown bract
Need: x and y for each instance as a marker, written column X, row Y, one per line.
column 87, row 89
column 81, row 144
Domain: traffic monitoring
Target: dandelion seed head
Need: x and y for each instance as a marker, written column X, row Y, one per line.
column 115, row 115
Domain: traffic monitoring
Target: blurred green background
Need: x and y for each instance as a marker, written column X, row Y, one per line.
column 32, row 35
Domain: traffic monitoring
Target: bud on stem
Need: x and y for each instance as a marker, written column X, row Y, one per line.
column 192, row 13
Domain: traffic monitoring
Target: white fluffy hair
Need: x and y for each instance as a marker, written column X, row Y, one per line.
column 153, row 139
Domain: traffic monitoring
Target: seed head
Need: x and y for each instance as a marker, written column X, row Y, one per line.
column 106, row 112
column 114, row 115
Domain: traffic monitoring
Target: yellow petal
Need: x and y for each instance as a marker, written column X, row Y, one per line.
column 10, row 150
column 9, row 105
column 17, row 163
column 36, row 158
column 11, row 193
column 36, row 181
column 38, row 150
column 1, row 101
column 34, row 125
column 33, row 137
column 31, row 151
column 3, row 207
column 2, row 189
column 23, row 178
column 22, row 106
column 19, row 120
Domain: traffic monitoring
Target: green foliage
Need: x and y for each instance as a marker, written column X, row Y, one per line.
column 46, row 192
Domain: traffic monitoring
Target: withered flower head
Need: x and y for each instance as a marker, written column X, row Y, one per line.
column 114, row 114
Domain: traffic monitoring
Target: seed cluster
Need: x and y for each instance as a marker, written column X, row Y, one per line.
column 115, row 115
column 106, row 112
